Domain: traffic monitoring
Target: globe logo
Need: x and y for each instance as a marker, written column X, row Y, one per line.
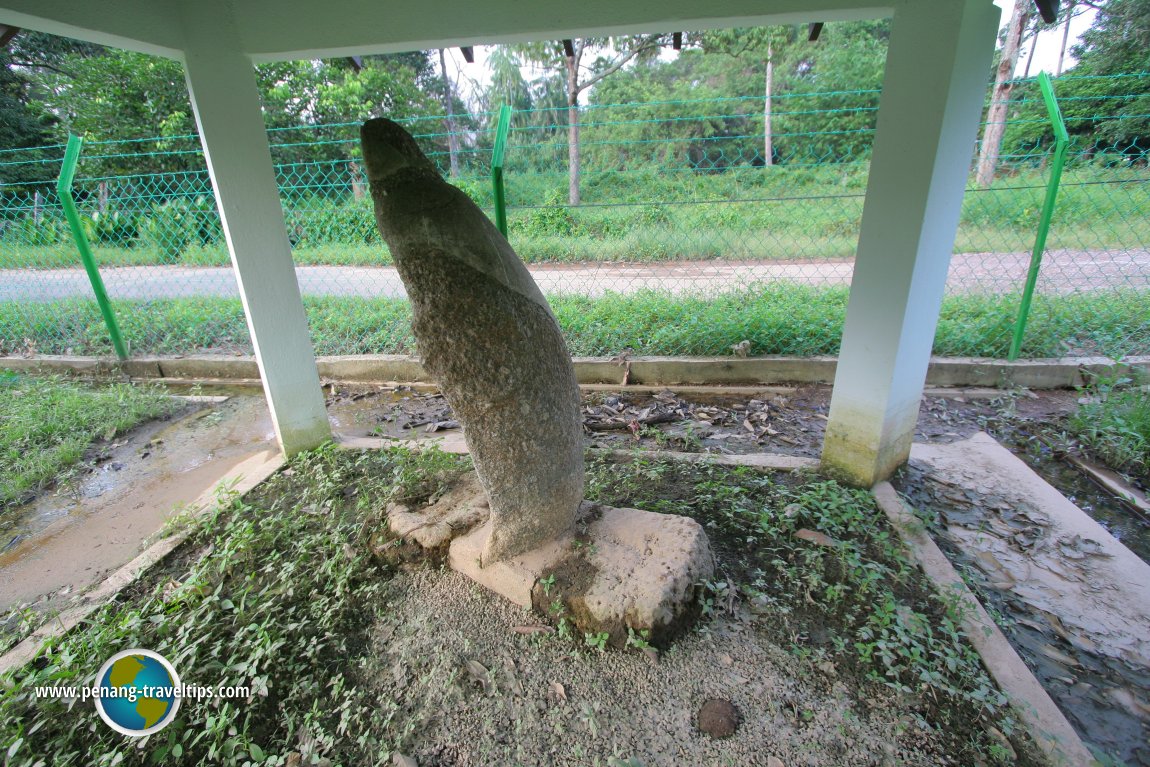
column 138, row 692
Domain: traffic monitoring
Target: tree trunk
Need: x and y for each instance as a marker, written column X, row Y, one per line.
column 1065, row 37
column 102, row 197
column 1030, row 56
column 1000, row 96
column 572, row 131
column 37, row 206
column 768, row 143
column 357, row 190
column 449, row 108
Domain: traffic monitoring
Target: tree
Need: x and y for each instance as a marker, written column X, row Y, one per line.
column 822, row 109
column 24, row 123
column 765, row 42
column 570, row 57
column 449, row 109
column 1000, row 95
column 1105, row 98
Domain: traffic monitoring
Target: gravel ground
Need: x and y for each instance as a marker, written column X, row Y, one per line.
column 471, row 689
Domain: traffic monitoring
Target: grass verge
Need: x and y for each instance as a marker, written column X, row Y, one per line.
column 48, row 424
column 785, row 319
column 1114, row 424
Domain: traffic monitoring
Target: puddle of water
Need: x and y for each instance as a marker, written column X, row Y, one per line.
column 68, row 540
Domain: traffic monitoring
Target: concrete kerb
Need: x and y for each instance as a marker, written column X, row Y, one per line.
column 600, row 371
column 1042, row 718
column 240, row 480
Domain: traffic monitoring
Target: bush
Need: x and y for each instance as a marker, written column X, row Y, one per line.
column 170, row 229
column 28, row 231
column 322, row 222
column 553, row 219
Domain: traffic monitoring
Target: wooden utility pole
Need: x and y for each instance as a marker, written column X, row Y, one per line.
column 1000, row 96
column 449, row 108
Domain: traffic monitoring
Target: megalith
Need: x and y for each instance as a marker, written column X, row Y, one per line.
column 487, row 335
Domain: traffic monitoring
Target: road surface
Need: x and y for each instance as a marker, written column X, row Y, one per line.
column 1063, row 271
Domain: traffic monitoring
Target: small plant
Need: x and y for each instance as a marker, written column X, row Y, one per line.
column 638, row 640
column 596, row 640
column 169, row 229
column 547, row 583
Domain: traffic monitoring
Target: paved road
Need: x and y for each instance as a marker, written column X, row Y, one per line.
column 1063, row 271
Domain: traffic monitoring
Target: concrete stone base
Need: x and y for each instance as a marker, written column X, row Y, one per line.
column 512, row 578
column 629, row 569
column 616, row 570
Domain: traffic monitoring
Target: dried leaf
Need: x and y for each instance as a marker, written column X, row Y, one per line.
column 814, row 536
column 557, row 693
column 479, row 674
column 533, row 629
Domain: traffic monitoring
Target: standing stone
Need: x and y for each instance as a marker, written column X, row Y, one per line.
column 488, row 337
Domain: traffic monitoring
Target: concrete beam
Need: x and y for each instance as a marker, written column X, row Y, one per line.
column 226, row 102
column 294, row 29
column 936, row 77
column 145, row 26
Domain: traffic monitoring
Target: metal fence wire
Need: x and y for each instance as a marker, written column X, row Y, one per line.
column 695, row 229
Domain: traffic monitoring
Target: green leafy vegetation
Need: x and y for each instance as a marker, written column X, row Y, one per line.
column 1113, row 423
column 829, row 578
column 275, row 593
column 776, row 318
column 48, row 425
column 746, row 214
column 278, row 592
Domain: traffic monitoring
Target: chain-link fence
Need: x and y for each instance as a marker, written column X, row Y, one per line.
column 698, row 224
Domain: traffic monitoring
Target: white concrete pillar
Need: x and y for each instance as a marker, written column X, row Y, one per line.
column 937, row 73
column 226, row 101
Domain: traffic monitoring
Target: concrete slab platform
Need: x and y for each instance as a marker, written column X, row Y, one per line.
column 1065, row 563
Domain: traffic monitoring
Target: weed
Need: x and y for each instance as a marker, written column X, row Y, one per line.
column 1113, row 422
column 596, row 640
column 50, row 424
column 280, row 602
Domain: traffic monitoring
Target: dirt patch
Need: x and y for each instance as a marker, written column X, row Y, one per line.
column 473, row 691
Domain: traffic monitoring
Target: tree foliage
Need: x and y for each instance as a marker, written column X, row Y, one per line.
column 1105, row 98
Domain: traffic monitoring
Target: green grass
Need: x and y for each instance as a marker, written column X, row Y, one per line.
column 278, row 598
column 1114, row 424
column 48, row 424
column 777, row 319
column 644, row 216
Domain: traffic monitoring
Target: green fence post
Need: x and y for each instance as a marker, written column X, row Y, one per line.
column 64, row 189
column 1061, row 141
column 497, row 168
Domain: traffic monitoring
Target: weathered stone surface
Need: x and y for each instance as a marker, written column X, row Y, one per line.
column 616, row 569
column 433, row 527
column 629, row 569
column 488, row 337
